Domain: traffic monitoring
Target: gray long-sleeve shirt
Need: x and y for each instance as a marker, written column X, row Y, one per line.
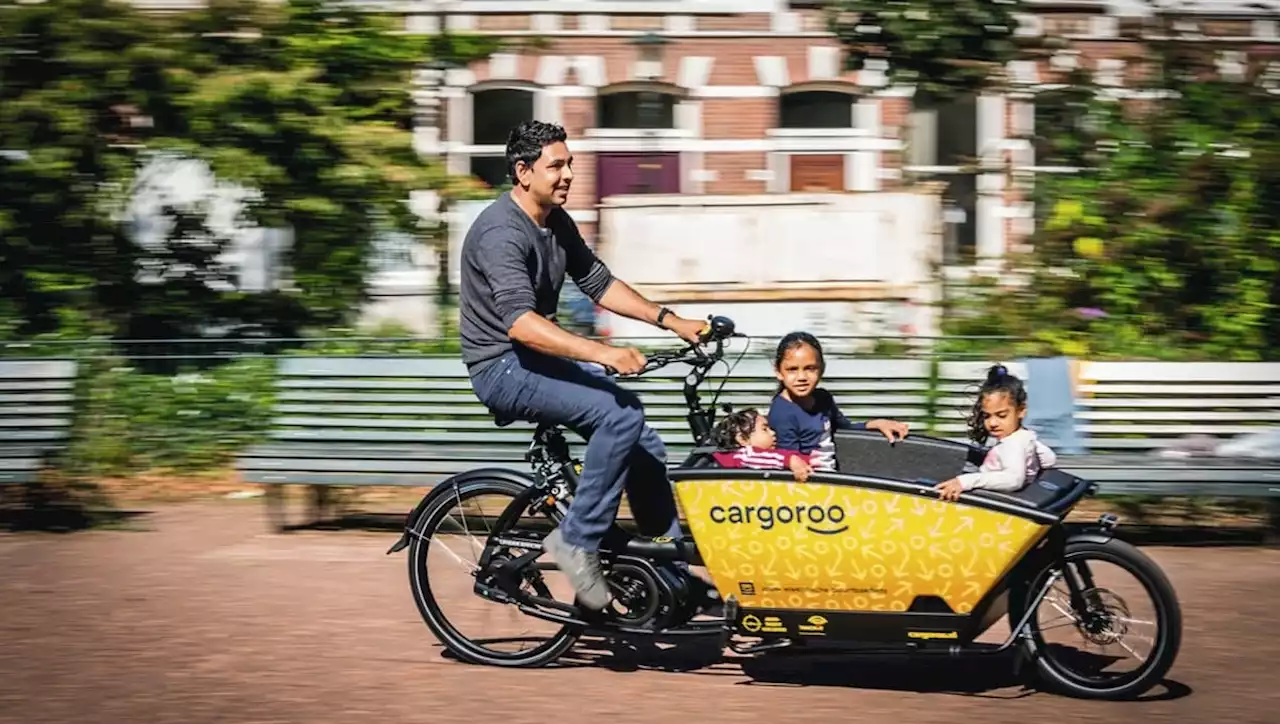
column 510, row 266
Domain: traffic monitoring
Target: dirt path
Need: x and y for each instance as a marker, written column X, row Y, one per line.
column 199, row 615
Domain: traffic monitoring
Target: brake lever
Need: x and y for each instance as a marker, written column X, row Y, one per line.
column 650, row 364
column 662, row 360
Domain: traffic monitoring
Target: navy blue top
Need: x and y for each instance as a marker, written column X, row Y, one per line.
column 809, row 431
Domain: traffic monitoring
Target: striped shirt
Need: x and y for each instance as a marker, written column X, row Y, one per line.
column 750, row 457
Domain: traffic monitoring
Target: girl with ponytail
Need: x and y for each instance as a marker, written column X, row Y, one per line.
column 1018, row 456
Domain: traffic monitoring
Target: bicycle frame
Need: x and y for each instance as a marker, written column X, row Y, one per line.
column 549, row 455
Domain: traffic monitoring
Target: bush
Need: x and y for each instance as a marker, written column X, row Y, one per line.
column 129, row 421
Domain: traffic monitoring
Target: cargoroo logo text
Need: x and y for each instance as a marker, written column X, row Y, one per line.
column 820, row 519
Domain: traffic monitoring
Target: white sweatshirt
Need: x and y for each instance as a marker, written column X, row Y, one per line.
column 1011, row 463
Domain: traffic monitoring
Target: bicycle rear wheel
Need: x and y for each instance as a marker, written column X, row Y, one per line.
column 450, row 535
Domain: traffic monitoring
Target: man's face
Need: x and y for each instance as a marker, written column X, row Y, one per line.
column 549, row 178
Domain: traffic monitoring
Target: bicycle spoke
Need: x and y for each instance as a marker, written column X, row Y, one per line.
column 475, row 624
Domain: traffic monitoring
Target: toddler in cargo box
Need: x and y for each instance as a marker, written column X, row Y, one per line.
column 745, row 440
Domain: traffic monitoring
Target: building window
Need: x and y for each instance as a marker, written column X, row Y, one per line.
column 642, row 109
column 801, row 111
column 940, row 140
column 494, row 113
column 812, row 172
column 815, row 109
column 492, row 170
column 645, row 168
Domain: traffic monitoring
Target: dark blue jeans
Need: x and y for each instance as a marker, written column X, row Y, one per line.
column 623, row 452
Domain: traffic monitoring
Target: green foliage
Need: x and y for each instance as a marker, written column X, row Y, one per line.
column 74, row 78
column 190, row 415
column 308, row 102
column 321, row 126
column 388, row 339
column 1165, row 246
column 945, row 48
column 129, row 421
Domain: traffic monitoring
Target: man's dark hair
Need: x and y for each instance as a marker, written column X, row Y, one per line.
column 526, row 141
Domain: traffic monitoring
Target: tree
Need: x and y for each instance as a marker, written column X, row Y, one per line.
column 307, row 104
column 79, row 81
column 314, row 112
column 943, row 48
column 1165, row 244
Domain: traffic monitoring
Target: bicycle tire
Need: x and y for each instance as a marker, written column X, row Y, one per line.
column 460, row 645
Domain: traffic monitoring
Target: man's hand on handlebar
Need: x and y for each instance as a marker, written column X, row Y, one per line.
column 622, row 360
column 629, row 361
column 692, row 331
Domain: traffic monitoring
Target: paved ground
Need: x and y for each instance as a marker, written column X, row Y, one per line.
column 201, row 616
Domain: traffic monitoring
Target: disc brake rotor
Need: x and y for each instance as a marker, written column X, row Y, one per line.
column 1105, row 621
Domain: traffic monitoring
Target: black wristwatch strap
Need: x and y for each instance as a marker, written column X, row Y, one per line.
column 662, row 314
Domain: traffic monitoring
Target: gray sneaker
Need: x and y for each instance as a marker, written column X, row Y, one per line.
column 582, row 568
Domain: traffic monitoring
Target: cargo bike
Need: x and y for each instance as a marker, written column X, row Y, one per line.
column 864, row 560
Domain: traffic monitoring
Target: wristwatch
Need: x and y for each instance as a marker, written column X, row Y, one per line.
column 662, row 314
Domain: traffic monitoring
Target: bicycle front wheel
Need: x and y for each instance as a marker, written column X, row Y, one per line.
column 1125, row 636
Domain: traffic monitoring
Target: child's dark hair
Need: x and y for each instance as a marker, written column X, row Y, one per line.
column 794, row 340
column 740, row 423
column 999, row 379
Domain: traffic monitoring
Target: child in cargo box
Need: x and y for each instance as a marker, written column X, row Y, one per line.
column 1017, row 457
column 805, row 415
column 746, row 441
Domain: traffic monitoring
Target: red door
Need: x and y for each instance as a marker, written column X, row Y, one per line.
column 637, row 173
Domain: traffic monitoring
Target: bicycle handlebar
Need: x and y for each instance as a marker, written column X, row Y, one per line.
column 717, row 330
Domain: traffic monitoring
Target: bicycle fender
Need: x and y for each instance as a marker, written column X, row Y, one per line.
column 443, row 488
column 1099, row 531
column 1092, row 535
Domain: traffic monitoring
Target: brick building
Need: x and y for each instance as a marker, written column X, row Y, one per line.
column 748, row 97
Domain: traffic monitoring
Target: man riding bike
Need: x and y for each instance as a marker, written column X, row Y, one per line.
column 523, row 365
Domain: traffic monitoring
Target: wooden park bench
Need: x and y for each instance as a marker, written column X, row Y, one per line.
column 35, row 415
column 1130, row 411
column 413, row 421
column 1127, row 412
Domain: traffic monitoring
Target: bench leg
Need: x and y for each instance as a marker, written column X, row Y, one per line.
column 322, row 503
column 273, row 499
column 1273, row 523
column 320, row 506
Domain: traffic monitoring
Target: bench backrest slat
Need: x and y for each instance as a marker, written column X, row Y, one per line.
column 433, row 395
column 1179, row 372
column 453, row 368
column 1147, row 405
column 37, row 369
column 35, row 405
